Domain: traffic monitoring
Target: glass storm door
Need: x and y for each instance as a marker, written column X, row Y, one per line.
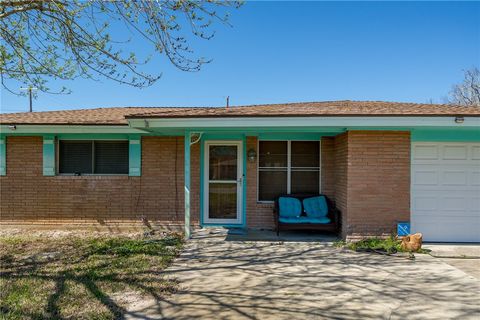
column 223, row 182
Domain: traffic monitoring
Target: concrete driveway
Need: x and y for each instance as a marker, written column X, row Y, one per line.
column 465, row 257
column 224, row 279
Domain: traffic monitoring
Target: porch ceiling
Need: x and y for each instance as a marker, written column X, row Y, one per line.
column 255, row 126
column 302, row 124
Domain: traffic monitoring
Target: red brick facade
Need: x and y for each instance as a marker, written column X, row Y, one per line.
column 28, row 197
column 367, row 173
column 341, row 179
column 259, row 215
column 372, row 181
column 327, row 159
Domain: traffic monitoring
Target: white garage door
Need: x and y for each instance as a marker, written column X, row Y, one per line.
column 445, row 194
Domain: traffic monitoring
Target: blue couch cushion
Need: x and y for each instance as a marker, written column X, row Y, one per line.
column 316, row 207
column 322, row 220
column 289, row 207
column 290, row 219
column 300, row 220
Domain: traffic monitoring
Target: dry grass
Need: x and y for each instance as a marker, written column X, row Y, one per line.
column 81, row 277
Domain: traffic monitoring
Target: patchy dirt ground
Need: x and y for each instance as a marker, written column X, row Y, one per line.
column 51, row 233
column 80, row 274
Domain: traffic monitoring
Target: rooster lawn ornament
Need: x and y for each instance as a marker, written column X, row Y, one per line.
column 412, row 243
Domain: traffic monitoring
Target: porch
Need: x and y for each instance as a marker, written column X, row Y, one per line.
column 364, row 165
column 375, row 197
column 242, row 174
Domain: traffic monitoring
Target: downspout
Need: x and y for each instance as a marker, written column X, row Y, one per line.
column 187, row 146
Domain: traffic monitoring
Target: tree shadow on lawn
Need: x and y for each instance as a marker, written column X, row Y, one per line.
column 253, row 280
column 81, row 278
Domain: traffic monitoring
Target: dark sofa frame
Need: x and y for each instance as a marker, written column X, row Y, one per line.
column 333, row 213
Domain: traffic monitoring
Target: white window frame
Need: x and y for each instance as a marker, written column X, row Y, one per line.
column 289, row 166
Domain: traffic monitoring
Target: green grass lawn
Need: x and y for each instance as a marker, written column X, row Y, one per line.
column 78, row 277
column 388, row 245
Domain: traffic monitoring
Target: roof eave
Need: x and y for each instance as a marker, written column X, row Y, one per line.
column 39, row 129
column 312, row 122
column 149, row 116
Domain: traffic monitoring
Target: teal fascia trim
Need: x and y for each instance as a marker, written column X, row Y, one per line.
column 315, row 122
column 135, row 156
column 95, row 136
column 222, row 136
column 205, row 138
column 255, row 131
column 446, row 135
column 292, row 136
column 187, row 199
column 3, row 156
column 49, row 156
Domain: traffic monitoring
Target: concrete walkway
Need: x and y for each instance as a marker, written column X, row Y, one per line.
column 465, row 257
column 221, row 278
column 449, row 250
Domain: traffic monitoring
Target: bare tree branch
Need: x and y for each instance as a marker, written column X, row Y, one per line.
column 53, row 39
column 467, row 93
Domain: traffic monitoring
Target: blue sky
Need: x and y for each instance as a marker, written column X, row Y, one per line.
column 305, row 51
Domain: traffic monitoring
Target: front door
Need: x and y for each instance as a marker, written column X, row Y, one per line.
column 223, row 182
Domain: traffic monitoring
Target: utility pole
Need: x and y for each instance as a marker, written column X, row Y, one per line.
column 30, row 88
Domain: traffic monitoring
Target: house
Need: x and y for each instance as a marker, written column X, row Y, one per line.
column 381, row 162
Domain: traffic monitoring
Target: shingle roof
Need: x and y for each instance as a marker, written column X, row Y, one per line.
column 327, row 108
column 99, row 116
column 118, row 116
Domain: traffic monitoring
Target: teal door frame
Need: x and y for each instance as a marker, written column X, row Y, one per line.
column 223, row 137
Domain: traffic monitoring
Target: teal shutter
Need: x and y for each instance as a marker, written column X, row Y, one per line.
column 48, row 156
column 3, row 156
column 135, row 156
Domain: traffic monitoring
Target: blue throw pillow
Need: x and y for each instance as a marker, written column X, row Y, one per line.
column 316, row 207
column 289, row 207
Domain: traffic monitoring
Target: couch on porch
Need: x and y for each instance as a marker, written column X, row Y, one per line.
column 306, row 212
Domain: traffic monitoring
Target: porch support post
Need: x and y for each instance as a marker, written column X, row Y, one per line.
column 187, row 140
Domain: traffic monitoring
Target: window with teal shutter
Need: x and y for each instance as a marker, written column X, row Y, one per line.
column 48, row 156
column 135, row 157
column 81, row 157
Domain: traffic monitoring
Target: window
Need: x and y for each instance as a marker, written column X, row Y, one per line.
column 288, row 167
column 272, row 169
column 93, row 157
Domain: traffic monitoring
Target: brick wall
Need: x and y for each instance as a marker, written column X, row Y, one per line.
column 28, row 197
column 341, row 177
column 259, row 215
column 367, row 173
column 377, row 182
column 328, row 161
